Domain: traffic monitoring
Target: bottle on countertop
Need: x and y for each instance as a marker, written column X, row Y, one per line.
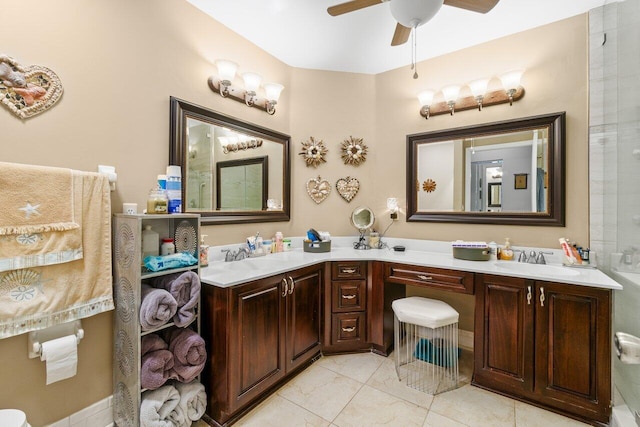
column 279, row 242
column 374, row 240
column 157, row 202
column 174, row 189
column 493, row 250
column 204, row 252
column 507, row 252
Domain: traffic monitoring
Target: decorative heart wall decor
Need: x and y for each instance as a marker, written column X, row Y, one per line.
column 318, row 189
column 348, row 188
column 27, row 91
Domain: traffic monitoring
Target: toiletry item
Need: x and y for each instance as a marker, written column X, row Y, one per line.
column 507, row 252
column 286, row 244
column 174, row 188
column 576, row 254
column 325, row 236
column 267, row 246
column 374, row 240
column 162, row 182
column 585, row 255
column 259, row 246
column 569, row 258
column 279, row 244
column 158, row 263
column 204, row 252
column 157, row 202
column 150, row 242
column 493, row 250
column 251, row 243
column 167, row 247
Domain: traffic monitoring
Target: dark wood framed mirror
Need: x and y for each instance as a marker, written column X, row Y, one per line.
column 202, row 140
column 466, row 166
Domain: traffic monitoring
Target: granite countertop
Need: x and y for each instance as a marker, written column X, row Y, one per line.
column 418, row 252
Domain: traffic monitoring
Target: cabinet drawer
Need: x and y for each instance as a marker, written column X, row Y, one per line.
column 347, row 327
column 346, row 270
column 449, row 280
column 348, row 295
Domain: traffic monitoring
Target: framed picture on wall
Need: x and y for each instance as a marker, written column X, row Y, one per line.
column 520, row 181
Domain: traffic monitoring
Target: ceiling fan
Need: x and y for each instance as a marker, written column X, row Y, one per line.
column 410, row 14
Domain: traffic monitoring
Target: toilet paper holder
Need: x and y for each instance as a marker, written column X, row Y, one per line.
column 53, row 332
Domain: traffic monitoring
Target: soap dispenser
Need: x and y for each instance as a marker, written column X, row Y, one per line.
column 507, row 253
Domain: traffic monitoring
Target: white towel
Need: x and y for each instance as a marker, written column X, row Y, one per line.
column 158, row 407
column 193, row 399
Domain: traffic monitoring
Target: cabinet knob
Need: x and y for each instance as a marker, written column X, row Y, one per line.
column 348, row 270
column 348, row 296
column 542, row 297
column 285, row 287
column 423, row 277
column 529, row 295
column 349, row 329
column 292, row 285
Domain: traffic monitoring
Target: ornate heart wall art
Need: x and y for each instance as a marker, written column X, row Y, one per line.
column 27, row 91
column 348, row 188
column 318, row 189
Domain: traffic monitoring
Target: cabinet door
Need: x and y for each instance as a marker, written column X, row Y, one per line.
column 256, row 341
column 573, row 365
column 303, row 316
column 504, row 358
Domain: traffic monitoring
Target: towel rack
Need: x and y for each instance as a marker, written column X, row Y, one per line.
column 53, row 332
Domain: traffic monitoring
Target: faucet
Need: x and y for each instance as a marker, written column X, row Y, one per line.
column 523, row 256
column 241, row 254
column 540, row 259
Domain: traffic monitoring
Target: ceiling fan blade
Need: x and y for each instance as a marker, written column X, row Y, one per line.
column 401, row 35
column 351, row 6
column 480, row 6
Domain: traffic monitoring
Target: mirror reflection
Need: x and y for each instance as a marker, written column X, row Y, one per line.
column 232, row 171
column 362, row 218
column 506, row 172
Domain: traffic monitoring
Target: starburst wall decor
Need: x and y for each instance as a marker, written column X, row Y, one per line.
column 354, row 151
column 313, row 152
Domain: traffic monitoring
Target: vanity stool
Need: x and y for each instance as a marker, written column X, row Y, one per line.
column 426, row 344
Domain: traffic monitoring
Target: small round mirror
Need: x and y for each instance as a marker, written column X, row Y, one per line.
column 362, row 218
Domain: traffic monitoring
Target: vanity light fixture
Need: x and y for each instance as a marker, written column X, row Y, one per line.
column 392, row 205
column 478, row 89
column 511, row 82
column 450, row 96
column 223, row 84
column 512, row 91
column 251, row 84
column 226, row 74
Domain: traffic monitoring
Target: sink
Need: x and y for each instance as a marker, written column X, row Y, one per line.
column 536, row 269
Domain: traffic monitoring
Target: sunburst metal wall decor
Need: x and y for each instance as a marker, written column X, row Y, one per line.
column 313, row 152
column 354, row 151
column 429, row 185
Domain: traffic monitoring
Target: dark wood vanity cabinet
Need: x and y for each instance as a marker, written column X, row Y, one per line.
column 545, row 342
column 346, row 307
column 257, row 334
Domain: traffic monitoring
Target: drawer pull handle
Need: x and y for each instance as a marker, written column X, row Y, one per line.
column 348, row 270
column 542, row 298
column 350, row 329
column 293, row 285
column 529, row 296
column 348, row 296
column 285, row 288
column 423, row 277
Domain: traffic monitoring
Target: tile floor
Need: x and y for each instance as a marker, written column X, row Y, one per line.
column 363, row 390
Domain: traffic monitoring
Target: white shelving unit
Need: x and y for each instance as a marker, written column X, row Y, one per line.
column 128, row 276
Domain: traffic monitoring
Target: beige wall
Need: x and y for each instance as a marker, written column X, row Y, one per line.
column 119, row 62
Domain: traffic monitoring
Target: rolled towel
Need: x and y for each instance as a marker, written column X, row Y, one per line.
column 185, row 288
column 156, row 365
column 189, row 353
column 158, row 408
column 156, row 308
column 193, row 399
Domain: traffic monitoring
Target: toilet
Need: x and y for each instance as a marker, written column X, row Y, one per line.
column 13, row 418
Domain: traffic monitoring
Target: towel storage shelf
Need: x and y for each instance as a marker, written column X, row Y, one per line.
column 128, row 276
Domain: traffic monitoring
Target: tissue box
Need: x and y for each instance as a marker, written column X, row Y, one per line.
column 316, row 247
column 471, row 254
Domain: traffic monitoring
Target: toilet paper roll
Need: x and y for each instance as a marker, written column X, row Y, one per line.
column 61, row 357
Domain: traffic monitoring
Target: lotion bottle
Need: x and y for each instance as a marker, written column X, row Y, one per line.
column 204, row 252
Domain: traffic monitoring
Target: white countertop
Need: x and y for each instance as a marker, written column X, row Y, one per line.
column 418, row 252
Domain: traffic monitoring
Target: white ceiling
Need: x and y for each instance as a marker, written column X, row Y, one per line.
column 302, row 34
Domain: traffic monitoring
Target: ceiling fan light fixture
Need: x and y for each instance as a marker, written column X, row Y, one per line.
column 413, row 13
